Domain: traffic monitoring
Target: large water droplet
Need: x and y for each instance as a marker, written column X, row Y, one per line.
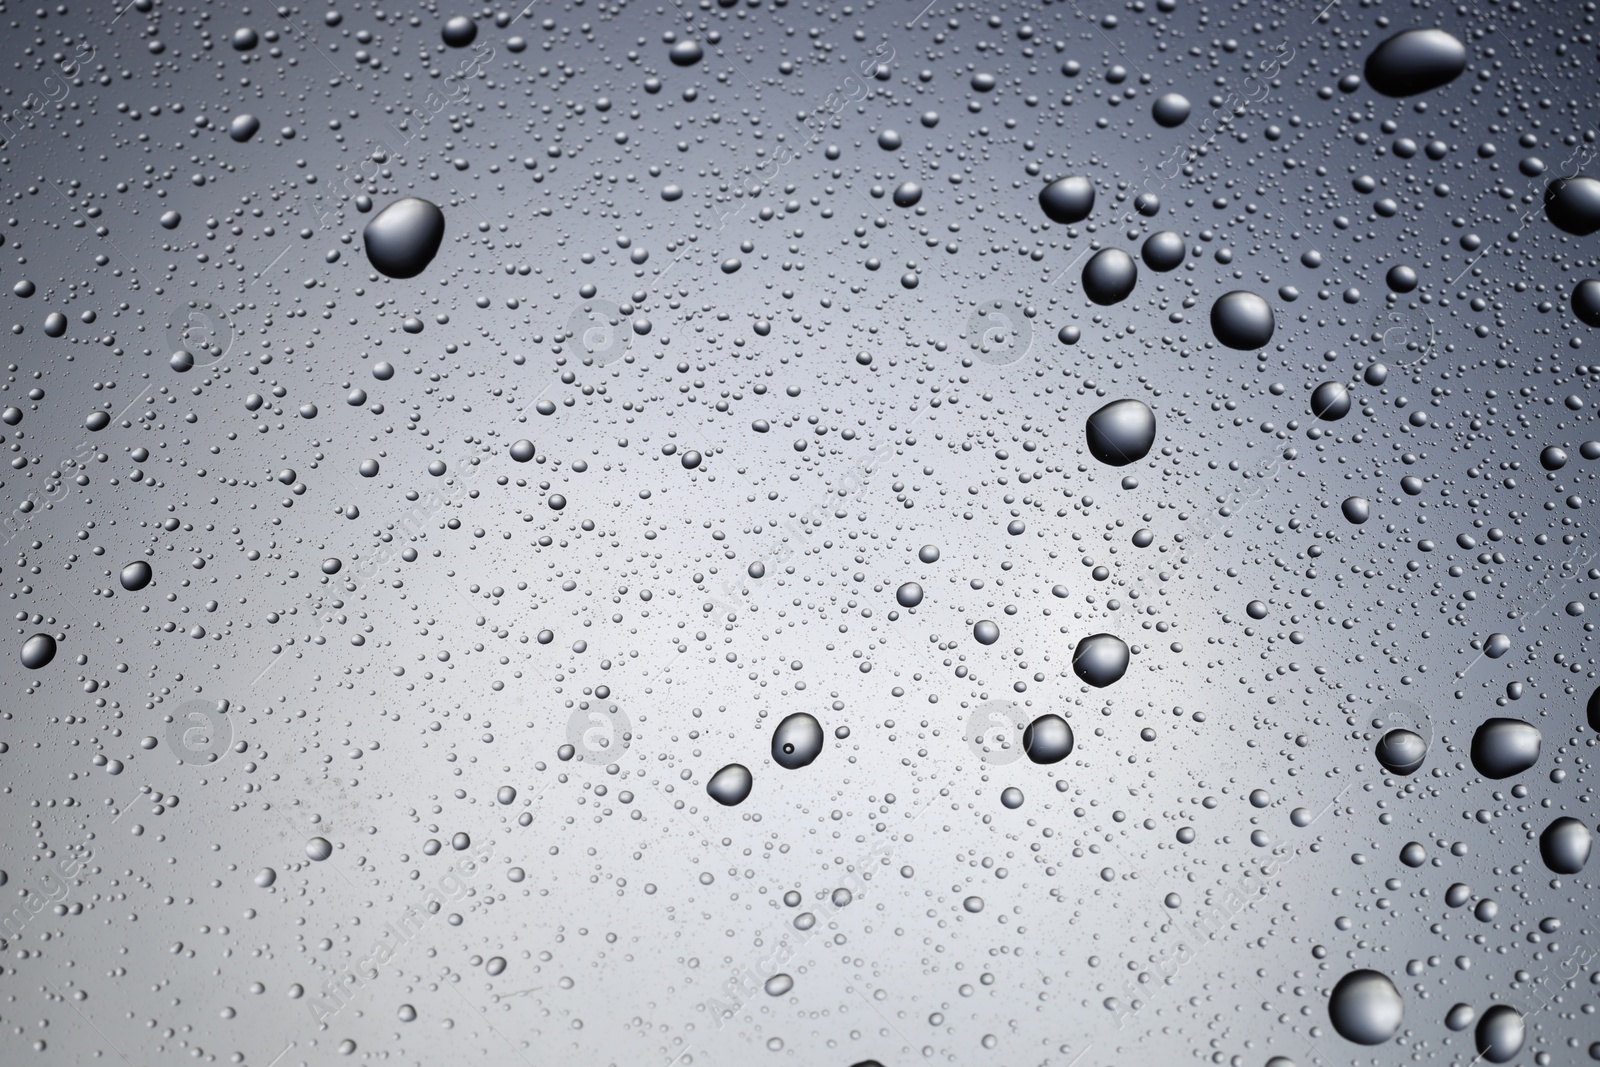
column 1586, row 301
column 1170, row 110
column 797, row 741
column 686, row 53
column 1573, row 204
column 458, row 31
column 1067, row 200
column 136, row 575
column 778, row 985
column 1330, row 401
column 1565, row 844
column 319, row 848
column 1366, row 1008
column 1500, row 1033
column 1048, row 739
column 403, row 238
column 38, row 650
column 1122, row 432
column 1415, row 61
column 1109, row 276
column 1100, row 659
column 1242, row 320
column 1402, row 751
column 731, row 785
column 908, row 595
column 1504, row 747
column 1163, row 251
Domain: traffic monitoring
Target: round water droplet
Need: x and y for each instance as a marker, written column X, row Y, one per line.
column 319, row 848
column 778, row 985
column 458, row 31
column 136, row 575
column 731, row 785
column 1109, row 276
column 332, row 565
column 1170, row 110
column 1500, row 1033
column 1460, row 1017
column 928, row 553
column 55, row 324
column 1122, row 432
column 1011, row 797
column 1565, row 844
column 797, row 741
column 1366, row 1008
column 973, row 904
column 1401, row 751
column 1330, row 401
column 1356, row 509
column 38, row 650
column 407, row 1014
column 908, row 595
column 1415, row 61
column 495, row 965
column 265, row 877
column 1067, row 200
column 1573, row 205
column 1504, row 747
column 1413, row 854
column 1553, row 458
column 522, row 451
column 402, row 239
column 1100, row 659
column 505, row 794
column 986, row 632
column 1586, row 301
column 1047, row 739
column 244, row 126
column 1242, row 320
column 1163, row 251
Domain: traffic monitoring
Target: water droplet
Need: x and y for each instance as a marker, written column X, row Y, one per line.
column 1500, row 1033
column 1330, row 401
column 908, row 595
column 686, row 53
column 1170, row 110
column 1067, row 200
column 244, row 126
column 1573, row 205
column 731, row 785
column 927, row 554
column 1011, row 797
column 1163, row 251
column 265, row 877
column 1122, row 432
column 495, row 965
column 38, row 650
column 136, row 575
column 986, row 632
column 1100, row 659
column 778, row 985
column 1109, row 276
column 1565, row 844
column 1415, row 61
column 1047, row 739
column 797, row 741
column 1401, row 751
column 1504, row 747
column 402, row 239
column 522, row 451
column 1242, row 320
column 458, row 31
column 973, row 904
column 319, row 848
column 1356, row 510
column 1366, row 1008
column 1586, row 301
